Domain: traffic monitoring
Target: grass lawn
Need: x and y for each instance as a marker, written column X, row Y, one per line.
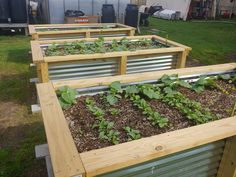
column 211, row 42
column 20, row 131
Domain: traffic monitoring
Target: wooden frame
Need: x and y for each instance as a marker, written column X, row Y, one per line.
column 67, row 162
column 42, row 62
column 119, row 29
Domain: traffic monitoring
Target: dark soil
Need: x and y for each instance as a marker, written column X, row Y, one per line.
column 219, row 103
column 80, row 119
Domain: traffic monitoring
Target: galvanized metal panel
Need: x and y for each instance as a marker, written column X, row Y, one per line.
column 97, row 6
column 71, row 5
column 202, row 161
column 89, row 7
column 86, row 6
column 79, row 70
column 56, row 9
column 147, row 64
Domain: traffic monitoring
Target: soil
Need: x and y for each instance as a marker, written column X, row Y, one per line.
column 80, row 119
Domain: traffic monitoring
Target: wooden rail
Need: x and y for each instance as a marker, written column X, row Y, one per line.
column 66, row 32
column 67, row 162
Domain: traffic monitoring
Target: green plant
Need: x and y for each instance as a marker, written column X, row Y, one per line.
column 192, row 109
column 113, row 95
column 100, row 46
column 153, row 116
column 105, row 127
column 66, row 96
column 114, row 111
column 204, row 82
column 132, row 133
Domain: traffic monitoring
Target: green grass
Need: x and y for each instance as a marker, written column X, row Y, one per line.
column 21, row 130
column 211, row 42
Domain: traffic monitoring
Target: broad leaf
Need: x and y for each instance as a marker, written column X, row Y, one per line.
column 111, row 99
column 116, row 86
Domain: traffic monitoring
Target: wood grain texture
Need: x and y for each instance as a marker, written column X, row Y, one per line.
column 181, row 62
column 143, row 76
column 37, row 54
column 123, row 155
column 64, row 155
column 51, row 34
column 123, row 65
column 228, row 163
column 52, row 59
column 44, row 72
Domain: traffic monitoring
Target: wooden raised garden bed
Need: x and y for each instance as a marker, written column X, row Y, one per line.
column 162, row 124
column 87, row 58
column 65, row 31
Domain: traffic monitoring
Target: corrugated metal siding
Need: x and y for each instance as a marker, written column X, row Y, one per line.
column 148, row 64
column 202, row 161
column 109, row 67
column 80, row 70
column 89, row 7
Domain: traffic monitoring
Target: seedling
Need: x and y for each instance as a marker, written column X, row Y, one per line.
column 114, row 111
column 132, row 133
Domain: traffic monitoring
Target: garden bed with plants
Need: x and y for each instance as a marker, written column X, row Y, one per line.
column 44, row 29
column 57, row 31
column 87, row 58
column 101, row 46
column 129, row 113
column 128, row 124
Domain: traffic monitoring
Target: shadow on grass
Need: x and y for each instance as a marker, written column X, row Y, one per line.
column 17, row 156
column 18, row 55
column 17, row 88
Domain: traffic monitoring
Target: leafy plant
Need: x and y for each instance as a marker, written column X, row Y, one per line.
column 113, row 95
column 132, row 134
column 105, row 127
column 114, row 111
column 100, row 46
column 112, row 99
column 204, row 82
column 154, row 117
column 66, row 96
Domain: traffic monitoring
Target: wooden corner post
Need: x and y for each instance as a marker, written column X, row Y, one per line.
column 228, row 162
column 181, row 62
column 42, row 71
column 123, row 65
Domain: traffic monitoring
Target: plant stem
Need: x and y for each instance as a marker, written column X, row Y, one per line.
column 233, row 110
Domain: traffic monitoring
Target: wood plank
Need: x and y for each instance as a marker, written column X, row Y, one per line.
column 143, row 76
column 61, row 41
column 44, row 72
column 31, row 29
column 181, row 62
column 71, row 24
column 123, row 155
column 52, row 59
column 228, row 163
column 64, row 155
column 123, row 65
column 81, row 31
column 37, row 54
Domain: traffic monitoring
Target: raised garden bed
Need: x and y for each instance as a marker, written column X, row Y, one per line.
column 87, row 58
column 119, row 125
column 65, row 31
